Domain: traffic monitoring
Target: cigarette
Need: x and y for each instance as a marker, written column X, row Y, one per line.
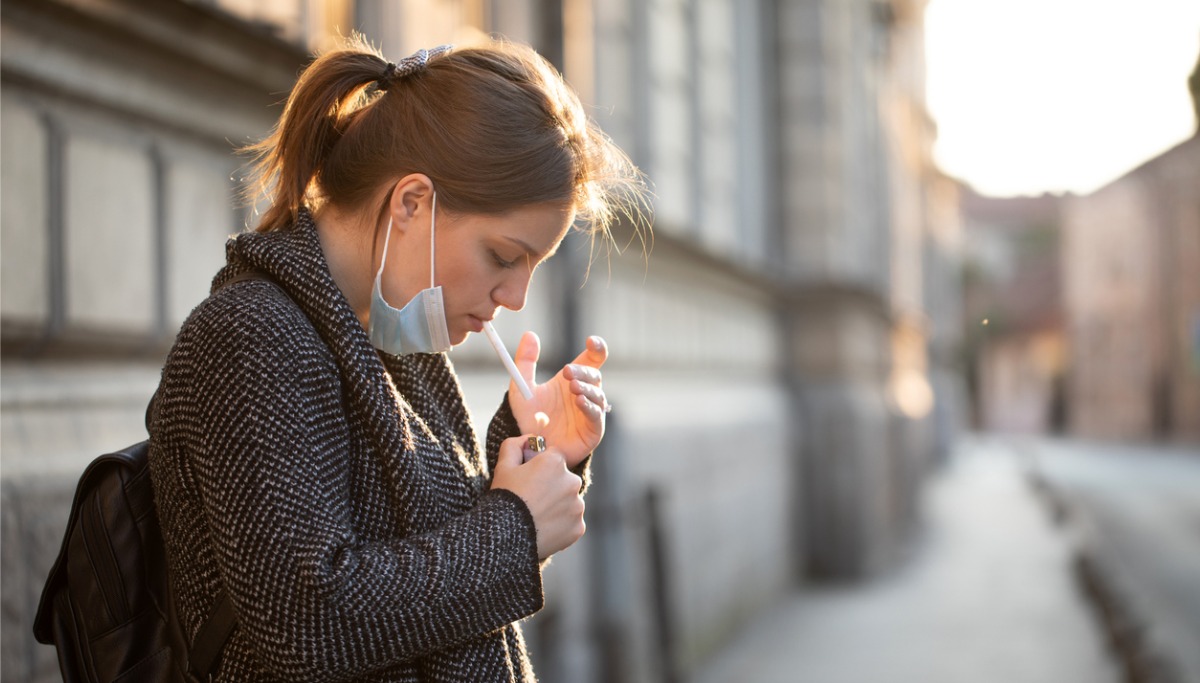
column 507, row 360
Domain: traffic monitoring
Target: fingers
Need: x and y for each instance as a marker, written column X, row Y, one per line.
column 511, row 452
column 592, row 392
column 583, row 373
column 551, row 492
column 585, row 379
column 529, row 349
column 587, row 390
column 594, row 354
column 595, row 411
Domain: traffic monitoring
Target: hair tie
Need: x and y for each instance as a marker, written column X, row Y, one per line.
column 389, row 72
column 411, row 64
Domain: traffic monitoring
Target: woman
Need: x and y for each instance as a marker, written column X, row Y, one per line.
column 311, row 453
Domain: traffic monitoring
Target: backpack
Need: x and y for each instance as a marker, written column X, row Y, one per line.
column 107, row 603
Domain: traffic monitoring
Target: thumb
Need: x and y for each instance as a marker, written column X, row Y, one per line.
column 528, row 351
column 511, row 454
column 595, row 352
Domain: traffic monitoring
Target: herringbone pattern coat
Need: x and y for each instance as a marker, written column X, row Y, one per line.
column 337, row 494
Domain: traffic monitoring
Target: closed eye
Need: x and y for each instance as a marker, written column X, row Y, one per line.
column 501, row 262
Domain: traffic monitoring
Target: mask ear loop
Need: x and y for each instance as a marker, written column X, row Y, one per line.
column 432, row 238
column 383, row 260
column 432, row 243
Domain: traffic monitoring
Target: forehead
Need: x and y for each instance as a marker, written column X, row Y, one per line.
column 538, row 226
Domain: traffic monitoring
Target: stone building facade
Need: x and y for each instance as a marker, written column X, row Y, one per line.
column 1131, row 266
column 1084, row 311
column 784, row 357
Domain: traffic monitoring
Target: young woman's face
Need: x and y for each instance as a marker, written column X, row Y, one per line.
column 482, row 262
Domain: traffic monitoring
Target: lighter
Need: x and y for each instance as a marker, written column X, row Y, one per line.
column 533, row 446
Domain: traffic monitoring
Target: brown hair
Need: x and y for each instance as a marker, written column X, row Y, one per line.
column 494, row 127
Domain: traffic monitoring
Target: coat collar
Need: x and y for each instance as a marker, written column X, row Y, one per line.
column 295, row 262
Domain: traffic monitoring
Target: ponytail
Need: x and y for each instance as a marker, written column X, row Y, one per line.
column 495, row 128
column 288, row 164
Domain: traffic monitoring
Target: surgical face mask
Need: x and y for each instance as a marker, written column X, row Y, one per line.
column 419, row 327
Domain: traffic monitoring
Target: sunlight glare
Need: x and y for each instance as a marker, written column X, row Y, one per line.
column 1032, row 96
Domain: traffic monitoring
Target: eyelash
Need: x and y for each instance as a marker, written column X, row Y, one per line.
column 501, row 262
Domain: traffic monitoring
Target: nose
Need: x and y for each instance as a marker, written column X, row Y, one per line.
column 512, row 291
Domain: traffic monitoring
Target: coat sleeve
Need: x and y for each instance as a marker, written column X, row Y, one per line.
column 316, row 601
column 504, row 425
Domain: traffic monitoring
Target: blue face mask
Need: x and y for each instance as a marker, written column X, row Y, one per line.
column 419, row 327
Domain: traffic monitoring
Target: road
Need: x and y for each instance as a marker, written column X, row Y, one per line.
column 1137, row 510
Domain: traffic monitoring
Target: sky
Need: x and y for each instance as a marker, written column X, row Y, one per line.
column 1034, row 96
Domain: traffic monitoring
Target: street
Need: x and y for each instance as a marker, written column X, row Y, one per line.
column 1136, row 510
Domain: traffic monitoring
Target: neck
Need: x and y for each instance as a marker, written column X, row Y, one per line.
column 347, row 241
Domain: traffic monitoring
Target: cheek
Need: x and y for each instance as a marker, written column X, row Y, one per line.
column 468, row 286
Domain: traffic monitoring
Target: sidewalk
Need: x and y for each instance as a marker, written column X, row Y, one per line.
column 987, row 596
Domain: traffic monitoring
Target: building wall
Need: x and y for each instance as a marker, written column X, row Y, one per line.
column 1131, row 262
column 703, row 409
column 116, row 129
column 760, row 431
column 867, row 224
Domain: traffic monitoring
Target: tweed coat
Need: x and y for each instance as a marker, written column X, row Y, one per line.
column 336, row 493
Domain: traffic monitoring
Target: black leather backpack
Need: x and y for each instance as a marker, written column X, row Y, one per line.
column 107, row 605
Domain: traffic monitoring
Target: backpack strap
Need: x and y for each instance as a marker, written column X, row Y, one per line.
column 211, row 638
column 248, row 274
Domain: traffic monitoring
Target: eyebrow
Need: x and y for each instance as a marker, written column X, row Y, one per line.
column 530, row 250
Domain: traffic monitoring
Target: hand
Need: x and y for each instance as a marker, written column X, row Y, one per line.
column 573, row 400
column 548, row 488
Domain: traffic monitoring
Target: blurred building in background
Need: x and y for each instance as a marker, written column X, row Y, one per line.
column 1083, row 312
column 1014, row 334
column 785, row 359
column 1131, row 267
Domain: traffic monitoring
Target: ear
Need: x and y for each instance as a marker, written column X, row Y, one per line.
column 411, row 201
